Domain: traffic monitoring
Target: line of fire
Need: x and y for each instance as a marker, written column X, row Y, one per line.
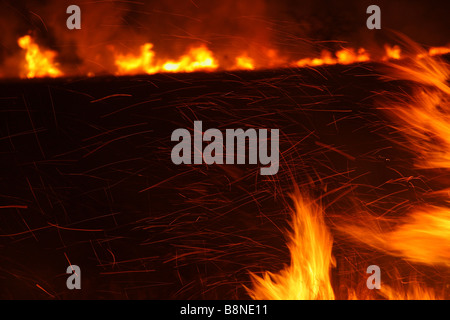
column 361, row 177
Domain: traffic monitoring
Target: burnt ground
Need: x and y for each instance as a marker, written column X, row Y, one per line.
column 87, row 178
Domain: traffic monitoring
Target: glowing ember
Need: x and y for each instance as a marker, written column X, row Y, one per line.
column 39, row 63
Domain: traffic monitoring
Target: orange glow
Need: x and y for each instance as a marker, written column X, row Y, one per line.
column 415, row 291
column 143, row 63
column 39, row 63
column 308, row 275
column 344, row 56
column 392, row 52
column 348, row 56
column 421, row 117
column 438, row 51
column 244, row 62
column 42, row 63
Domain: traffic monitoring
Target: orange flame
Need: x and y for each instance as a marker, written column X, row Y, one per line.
column 423, row 118
column 344, row 56
column 421, row 237
column 244, row 62
column 394, row 52
column 415, row 291
column 39, row 63
column 142, row 63
column 308, row 275
column 438, row 51
column 199, row 58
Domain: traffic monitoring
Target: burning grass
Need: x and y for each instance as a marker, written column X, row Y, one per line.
column 90, row 180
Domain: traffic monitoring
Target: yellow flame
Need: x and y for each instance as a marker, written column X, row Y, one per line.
column 308, row 275
column 42, row 63
column 39, row 63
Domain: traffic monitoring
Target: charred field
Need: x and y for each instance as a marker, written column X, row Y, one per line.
column 87, row 179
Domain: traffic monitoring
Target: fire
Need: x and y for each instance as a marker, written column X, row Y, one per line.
column 415, row 291
column 308, row 275
column 423, row 118
column 142, row 63
column 410, row 288
column 392, row 52
column 326, row 58
column 344, row 56
column 348, row 56
column 438, row 51
column 200, row 58
column 420, row 237
column 244, row 62
column 39, row 63
column 197, row 59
